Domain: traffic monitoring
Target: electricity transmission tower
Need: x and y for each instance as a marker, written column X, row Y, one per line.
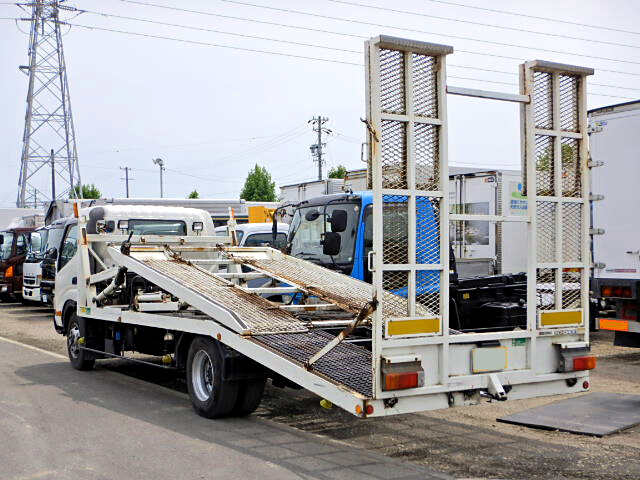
column 49, row 137
column 316, row 148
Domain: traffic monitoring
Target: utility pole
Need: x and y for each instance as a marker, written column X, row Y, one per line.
column 160, row 163
column 126, row 178
column 48, row 118
column 316, row 148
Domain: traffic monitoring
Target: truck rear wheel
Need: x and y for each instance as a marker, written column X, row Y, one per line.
column 211, row 395
column 76, row 329
column 249, row 396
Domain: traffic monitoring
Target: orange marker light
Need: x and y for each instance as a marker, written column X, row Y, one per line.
column 584, row 363
column 358, row 410
column 9, row 272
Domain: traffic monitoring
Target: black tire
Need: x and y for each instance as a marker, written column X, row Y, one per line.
column 211, row 396
column 80, row 359
column 6, row 297
column 249, row 397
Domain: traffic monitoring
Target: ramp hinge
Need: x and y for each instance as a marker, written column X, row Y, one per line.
column 596, row 197
column 599, row 265
column 595, row 163
column 596, row 231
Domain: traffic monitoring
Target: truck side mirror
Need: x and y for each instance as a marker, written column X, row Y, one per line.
column 338, row 221
column 331, row 243
column 312, row 215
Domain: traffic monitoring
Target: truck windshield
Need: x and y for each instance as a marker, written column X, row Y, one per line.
column 38, row 245
column 53, row 238
column 7, row 243
column 157, row 227
column 305, row 235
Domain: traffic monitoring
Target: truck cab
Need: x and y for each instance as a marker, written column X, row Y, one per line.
column 480, row 303
column 49, row 263
column 14, row 245
column 116, row 219
column 32, row 268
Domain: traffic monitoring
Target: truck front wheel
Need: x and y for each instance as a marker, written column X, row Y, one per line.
column 76, row 329
column 211, row 395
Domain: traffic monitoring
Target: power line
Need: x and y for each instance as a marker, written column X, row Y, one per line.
column 189, row 27
column 208, row 44
column 297, row 27
column 548, row 19
column 502, row 27
column 211, row 30
column 282, row 54
column 241, row 19
column 459, row 37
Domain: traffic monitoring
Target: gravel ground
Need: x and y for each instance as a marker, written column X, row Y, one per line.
column 466, row 442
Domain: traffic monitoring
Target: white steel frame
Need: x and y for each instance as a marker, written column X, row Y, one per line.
column 386, row 346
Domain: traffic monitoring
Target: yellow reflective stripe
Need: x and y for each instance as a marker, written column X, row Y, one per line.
column 413, row 327
column 548, row 319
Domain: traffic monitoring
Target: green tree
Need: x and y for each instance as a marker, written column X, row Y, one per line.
column 338, row 172
column 194, row 194
column 259, row 187
column 88, row 191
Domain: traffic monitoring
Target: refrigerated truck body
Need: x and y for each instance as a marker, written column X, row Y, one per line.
column 615, row 285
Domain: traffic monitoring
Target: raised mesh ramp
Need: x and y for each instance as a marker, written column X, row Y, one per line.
column 347, row 292
column 260, row 316
column 346, row 364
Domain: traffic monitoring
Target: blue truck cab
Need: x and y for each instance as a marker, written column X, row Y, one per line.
column 494, row 302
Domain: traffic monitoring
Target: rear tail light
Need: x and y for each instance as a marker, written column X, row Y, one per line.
column 8, row 272
column 400, row 381
column 616, row 291
column 400, row 375
column 584, row 363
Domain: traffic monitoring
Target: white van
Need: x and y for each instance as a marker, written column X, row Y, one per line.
column 258, row 234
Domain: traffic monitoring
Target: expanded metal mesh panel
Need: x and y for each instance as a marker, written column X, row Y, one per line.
column 392, row 89
column 254, row 311
column 571, row 232
column 428, row 290
column 427, row 230
column 346, row 364
column 425, row 94
column 571, row 177
column 348, row 292
column 571, row 289
column 393, row 149
column 546, row 289
column 546, row 231
column 545, row 177
column 426, row 156
column 396, row 284
column 542, row 100
column 395, row 233
column 568, row 100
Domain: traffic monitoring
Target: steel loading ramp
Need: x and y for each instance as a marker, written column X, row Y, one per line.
column 261, row 321
column 347, row 292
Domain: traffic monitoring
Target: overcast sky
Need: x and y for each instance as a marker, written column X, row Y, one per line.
column 212, row 113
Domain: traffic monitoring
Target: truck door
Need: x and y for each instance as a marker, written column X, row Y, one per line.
column 67, row 271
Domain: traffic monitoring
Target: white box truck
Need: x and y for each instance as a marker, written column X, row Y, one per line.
column 615, row 241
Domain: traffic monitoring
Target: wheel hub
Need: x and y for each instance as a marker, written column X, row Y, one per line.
column 202, row 375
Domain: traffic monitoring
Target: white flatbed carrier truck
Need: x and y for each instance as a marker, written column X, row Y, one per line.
column 395, row 351
column 616, row 240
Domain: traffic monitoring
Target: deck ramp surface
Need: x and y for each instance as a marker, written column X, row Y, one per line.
column 258, row 314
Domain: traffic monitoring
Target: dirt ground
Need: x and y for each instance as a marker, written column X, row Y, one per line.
column 466, row 442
